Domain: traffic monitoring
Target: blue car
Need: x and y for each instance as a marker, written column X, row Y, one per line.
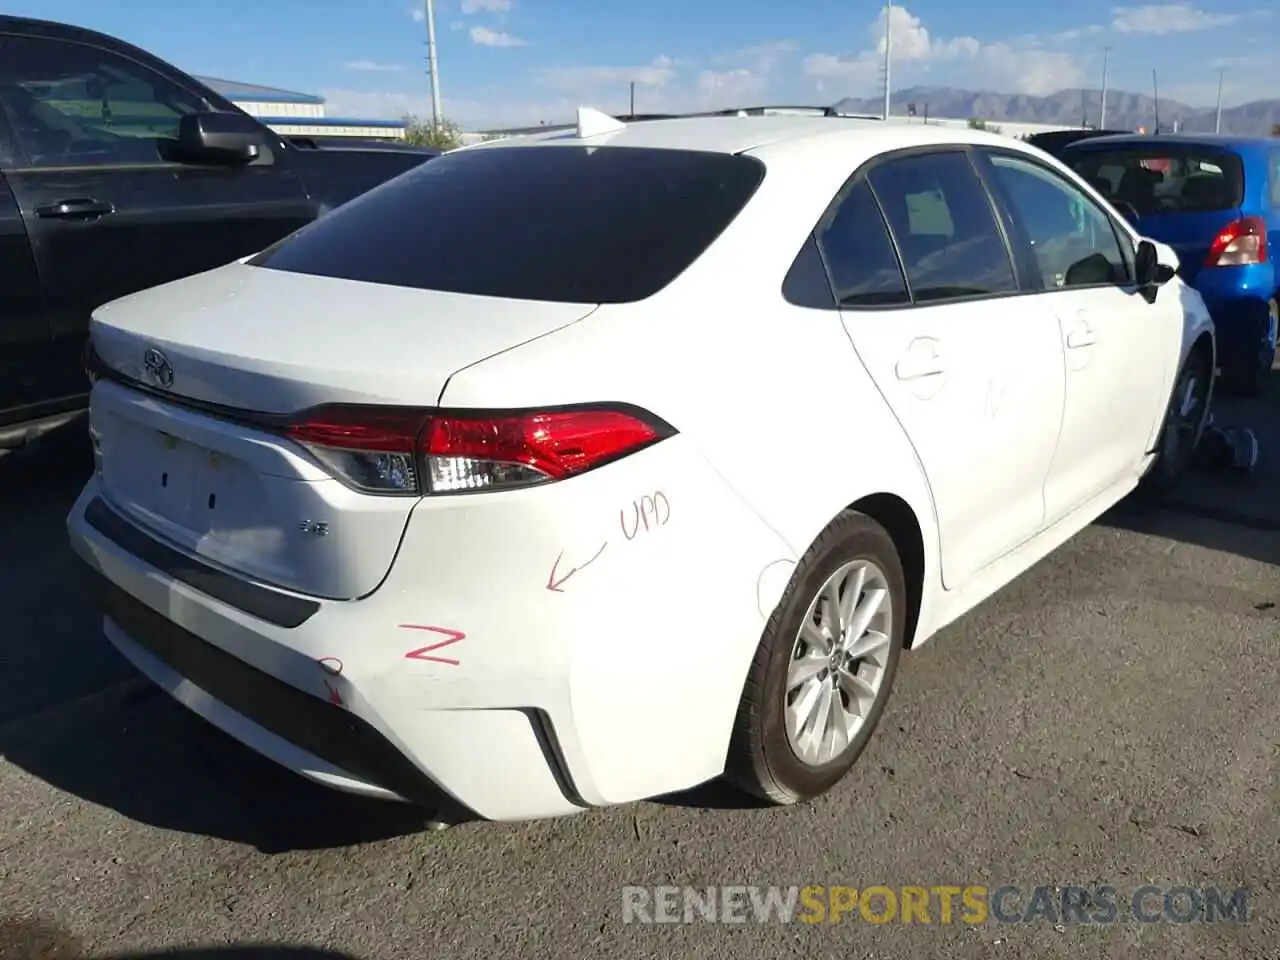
column 1216, row 201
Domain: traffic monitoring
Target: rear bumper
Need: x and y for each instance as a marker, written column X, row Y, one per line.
column 464, row 675
column 1237, row 299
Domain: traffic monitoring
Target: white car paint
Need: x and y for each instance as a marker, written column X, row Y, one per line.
column 619, row 608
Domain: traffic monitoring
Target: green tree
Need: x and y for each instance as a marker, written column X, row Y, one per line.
column 445, row 135
column 976, row 123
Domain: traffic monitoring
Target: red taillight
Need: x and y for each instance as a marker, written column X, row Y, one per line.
column 411, row 452
column 1239, row 244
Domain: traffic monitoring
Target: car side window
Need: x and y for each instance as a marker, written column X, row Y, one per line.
column 946, row 230
column 71, row 104
column 859, row 253
column 1073, row 241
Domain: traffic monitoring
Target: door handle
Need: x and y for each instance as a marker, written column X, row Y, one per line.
column 77, row 209
column 918, row 368
column 923, row 359
column 1079, row 339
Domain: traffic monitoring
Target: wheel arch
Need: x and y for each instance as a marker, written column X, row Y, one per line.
column 903, row 526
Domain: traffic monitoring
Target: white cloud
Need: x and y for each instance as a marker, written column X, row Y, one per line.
column 457, row 25
column 486, row 6
column 1169, row 18
column 657, row 73
column 1026, row 69
column 418, row 14
column 760, row 57
column 733, row 87
column 494, row 38
column 372, row 67
column 1079, row 33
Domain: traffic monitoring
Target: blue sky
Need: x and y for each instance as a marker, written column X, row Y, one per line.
column 519, row 61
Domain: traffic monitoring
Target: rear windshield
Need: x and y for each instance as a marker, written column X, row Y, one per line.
column 569, row 224
column 1164, row 179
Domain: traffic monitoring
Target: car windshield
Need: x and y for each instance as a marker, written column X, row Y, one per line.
column 560, row 223
column 1163, row 179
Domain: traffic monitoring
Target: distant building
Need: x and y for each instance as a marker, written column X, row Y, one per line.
column 300, row 114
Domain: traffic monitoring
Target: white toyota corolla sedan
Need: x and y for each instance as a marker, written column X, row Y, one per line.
column 581, row 468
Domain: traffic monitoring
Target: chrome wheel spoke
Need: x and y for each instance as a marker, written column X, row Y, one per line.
column 865, row 613
column 805, row 670
column 814, row 637
column 853, row 587
column 871, row 645
column 860, row 691
column 831, row 618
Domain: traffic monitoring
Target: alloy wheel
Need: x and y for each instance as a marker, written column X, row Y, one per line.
column 839, row 662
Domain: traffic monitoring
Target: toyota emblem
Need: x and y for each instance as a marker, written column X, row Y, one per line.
column 159, row 370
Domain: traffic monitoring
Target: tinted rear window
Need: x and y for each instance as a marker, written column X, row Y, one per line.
column 571, row 224
column 1164, row 179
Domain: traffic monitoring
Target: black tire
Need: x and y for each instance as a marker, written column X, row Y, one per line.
column 1173, row 460
column 761, row 761
column 1253, row 378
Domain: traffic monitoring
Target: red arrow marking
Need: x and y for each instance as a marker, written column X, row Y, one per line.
column 334, row 696
column 422, row 652
column 554, row 583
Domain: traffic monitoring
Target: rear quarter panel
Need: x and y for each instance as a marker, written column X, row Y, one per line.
column 772, row 395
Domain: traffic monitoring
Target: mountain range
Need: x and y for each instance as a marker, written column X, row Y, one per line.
column 1075, row 107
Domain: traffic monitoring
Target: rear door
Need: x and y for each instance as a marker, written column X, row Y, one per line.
column 972, row 370
column 108, row 210
column 25, row 349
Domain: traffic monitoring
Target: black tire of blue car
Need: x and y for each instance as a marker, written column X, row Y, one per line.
column 1183, row 426
column 1254, row 375
column 761, row 761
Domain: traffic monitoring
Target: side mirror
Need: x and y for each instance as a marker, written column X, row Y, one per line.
column 219, row 138
column 1153, row 265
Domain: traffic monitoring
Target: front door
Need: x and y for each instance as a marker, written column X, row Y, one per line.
column 972, row 371
column 1122, row 351
column 109, row 210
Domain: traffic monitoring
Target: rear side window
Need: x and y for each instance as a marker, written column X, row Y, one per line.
column 1173, row 178
column 946, row 230
column 559, row 223
column 859, row 253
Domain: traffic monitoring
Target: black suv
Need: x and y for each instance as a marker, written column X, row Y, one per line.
column 120, row 172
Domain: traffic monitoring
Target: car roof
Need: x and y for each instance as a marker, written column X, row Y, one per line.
column 1155, row 141
column 739, row 134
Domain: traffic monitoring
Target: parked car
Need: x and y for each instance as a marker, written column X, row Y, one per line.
column 118, row 172
column 1054, row 142
column 638, row 461
column 1216, row 201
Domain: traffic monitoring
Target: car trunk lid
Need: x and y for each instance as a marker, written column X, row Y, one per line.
column 194, row 458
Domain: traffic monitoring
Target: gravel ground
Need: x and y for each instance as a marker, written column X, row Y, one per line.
column 1109, row 719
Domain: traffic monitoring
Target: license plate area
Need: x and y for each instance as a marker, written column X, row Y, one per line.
column 190, row 491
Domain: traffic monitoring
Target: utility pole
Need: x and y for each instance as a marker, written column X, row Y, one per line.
column 432, row 67
column 1106, row 62
column 1155, row 91
column 888, row 56
column 1217, row 122
column 633, row 98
